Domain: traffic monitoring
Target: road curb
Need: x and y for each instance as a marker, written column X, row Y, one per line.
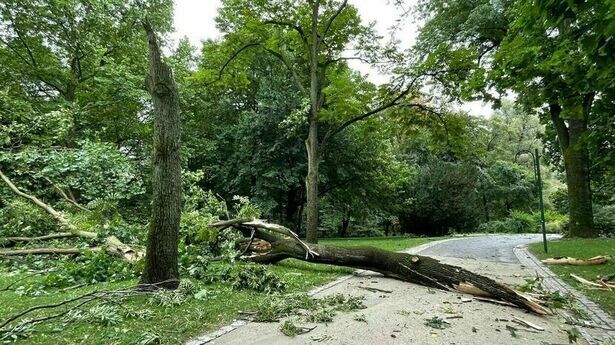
column 553, row 283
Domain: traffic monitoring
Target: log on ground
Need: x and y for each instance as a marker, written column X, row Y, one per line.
column 417, row 269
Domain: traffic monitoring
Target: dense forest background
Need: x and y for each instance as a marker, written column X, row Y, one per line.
column 76, row 121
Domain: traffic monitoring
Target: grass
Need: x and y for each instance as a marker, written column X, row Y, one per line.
column 176, row 324
column 583, row 249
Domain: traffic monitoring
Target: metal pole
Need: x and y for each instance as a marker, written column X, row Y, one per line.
column 542, row 208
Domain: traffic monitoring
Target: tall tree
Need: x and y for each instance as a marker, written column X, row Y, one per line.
column 533, row 49
column 311, row 39
column 161, row 258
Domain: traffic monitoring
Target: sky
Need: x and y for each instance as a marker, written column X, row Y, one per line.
column 195, row 20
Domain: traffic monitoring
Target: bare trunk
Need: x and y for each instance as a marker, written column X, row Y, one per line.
column 311, row 180
column 311, row 184
column 571, row 136
column 576, row 161
column 162, row 240
column 345, row 224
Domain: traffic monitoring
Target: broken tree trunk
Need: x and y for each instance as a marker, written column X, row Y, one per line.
column 417, row 269
column 161, row 258
column 113, row 245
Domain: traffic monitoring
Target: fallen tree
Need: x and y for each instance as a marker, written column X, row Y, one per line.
column 111, row 244
column 416, row 269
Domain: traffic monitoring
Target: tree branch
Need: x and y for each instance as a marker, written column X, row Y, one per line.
column 231, row 59
column 286, row 63
column 332, row 18
column 40, row 238
column 297, row 28
column 560, row 126
column 46, row 251
column 72, row 201
column 115, row 247
column 363, row 116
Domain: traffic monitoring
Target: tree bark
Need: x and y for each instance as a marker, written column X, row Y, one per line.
column 161, row 259
column 416, row 269
column 573, row 145
column 311, row 180
column 412, row 268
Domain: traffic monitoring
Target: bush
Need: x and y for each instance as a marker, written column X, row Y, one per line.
column 441, row 197
column 523, row 222
column 604, row 220
column 508, row 225
column 22, row 218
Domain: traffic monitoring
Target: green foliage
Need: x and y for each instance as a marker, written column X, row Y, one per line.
column 289, row 329
column 245, row 276
column 255, row 277
column 321, row 315
column 278, row 306
column 96, row 171
column 22, row 218
column 604, row 219
column 436, row 322
column 523, row 222
column 441, row 197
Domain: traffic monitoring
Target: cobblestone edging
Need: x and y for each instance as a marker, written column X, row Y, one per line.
column 206, row 338
column 552, row 282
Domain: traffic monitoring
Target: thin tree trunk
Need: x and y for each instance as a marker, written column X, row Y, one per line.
column 345, row 224
column 311, row 184
column 161, row 258
column 311, row 181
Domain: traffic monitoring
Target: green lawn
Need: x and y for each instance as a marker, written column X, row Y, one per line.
column 583, row 249
column 181, row 322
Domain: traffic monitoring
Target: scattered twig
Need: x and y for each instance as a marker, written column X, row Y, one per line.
column 527, row 323
column 372, row 289
column 494, row 301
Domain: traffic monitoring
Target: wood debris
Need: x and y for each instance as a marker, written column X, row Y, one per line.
column 526, row 323
column 371, row 289
column 595, row 286
column 596, row 260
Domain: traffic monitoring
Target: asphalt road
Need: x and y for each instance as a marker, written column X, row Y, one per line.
column 496, row 248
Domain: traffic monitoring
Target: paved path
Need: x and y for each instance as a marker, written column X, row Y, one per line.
column 399, row 317
column 498, row 248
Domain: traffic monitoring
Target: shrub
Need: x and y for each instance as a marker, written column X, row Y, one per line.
column 604, row 219
column 523, row 222
column 21, row 218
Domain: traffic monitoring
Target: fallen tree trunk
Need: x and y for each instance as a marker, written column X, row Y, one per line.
column 417, row 269
column 112, row 244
